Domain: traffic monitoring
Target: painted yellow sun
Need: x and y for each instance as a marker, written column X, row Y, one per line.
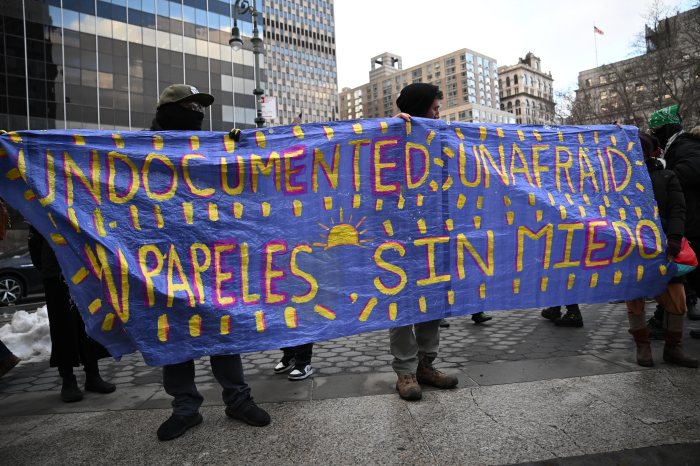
column 342, row 234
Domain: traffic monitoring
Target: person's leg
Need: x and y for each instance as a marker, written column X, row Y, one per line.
column 639, row 331
column 178, row 382
column 302, row 365
column 673, row 301
column 88, row 356
column 228, row 370
column 403, row 346
column 428, row 340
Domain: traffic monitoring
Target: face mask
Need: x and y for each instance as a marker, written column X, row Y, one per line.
column 175, row 117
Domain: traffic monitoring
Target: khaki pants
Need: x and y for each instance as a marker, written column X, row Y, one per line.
column 672, row 300
column 410, row 342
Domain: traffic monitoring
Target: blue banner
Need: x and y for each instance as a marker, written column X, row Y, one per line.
column 181, row 244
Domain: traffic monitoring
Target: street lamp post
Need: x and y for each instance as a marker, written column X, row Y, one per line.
column 241, row 7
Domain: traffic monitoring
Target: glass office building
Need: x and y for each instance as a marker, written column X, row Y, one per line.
column 101, row 64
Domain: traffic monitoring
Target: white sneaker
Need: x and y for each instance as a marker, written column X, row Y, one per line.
column 284, row 366
column 300, row 373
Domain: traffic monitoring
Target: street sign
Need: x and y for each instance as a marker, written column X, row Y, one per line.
column 268, row 105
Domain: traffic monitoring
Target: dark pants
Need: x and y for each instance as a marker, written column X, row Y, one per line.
column 301, row 354
column 178, row 381
column 4, row 351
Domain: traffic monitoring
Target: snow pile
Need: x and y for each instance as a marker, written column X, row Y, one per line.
column 27, row 335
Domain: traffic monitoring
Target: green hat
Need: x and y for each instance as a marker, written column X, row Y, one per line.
column 177, row 93
column 665, row 116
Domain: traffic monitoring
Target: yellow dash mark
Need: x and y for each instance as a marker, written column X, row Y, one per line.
column 53, row 222
column 113, row 224
column 421, row 226
column 419, row 200
column 13, row 174
column 213, row 212
column 438, row 161
column 73, row 219
column 640, row 187
column 601, row 209
column 108, row 323
column 356, row 201
column 99, row 222
column 392, row 311
column 640, row 272
column 328, row 203
column 663, row 270
column 482, row 133
column 229, row 143
column 537, row 136
column 422, row 305
column 163, row 327
column 581, row 211
column 188, row 212
column 594, row 281
column 118, row 140
column 401, row 202
column 433, row 186
column 638, row 212
column 265, row 209
column 324, row 311
column 158, row 216
column 551, row 199
column 482, row 291
column 448, row 152
column 458, row 132
column 595, row 136
column 195, row 325
column 431, row 136
column 656, row 211
column 521, row 135
column 157, row 142
column 408, row 127
column 560, row 135
column 450, row 297
column 499, row 132
column 531, row 199
column 544, row 281
column 639, row 163
column 568, row 199
column 237, row 210
column 388, row 228
column 477, row 222
column 562, row 212
column 586, row 199
column 613, row 140
column 461, row 199
column 623, row 214
column 580, row 138
column 626, row 199
column 260, row 321
column 78, row 140
column 353, row 297
column 449, row 224
column 225, row 325
column 357, row 128
column 194, row 142
column 510, row 216
column 95, row 306
column 570, row 281
column 516, row 286
column 617, row 276
column 447, row 184
column 14, row 137
column 538, row 215
column 383, row 126
column 134, row 214
column 290, row 317
column 79, row 276
column 58, row 239
column 298, row 132
column 630, row 145
column 378, row 205
column 329, row 132
column 506, row 201
column 29, row 195
column 260, row 139
column 297, row 207
column 367, row 310
column 479, row 202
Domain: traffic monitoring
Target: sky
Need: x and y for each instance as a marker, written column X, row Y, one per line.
column 560, row 32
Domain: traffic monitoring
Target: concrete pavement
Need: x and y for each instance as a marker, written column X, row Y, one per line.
column 528, row 392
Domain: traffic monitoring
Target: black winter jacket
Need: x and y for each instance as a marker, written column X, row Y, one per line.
column 669, row 197
column 683, row 157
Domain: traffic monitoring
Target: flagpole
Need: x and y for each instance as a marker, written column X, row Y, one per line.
column 595, row 44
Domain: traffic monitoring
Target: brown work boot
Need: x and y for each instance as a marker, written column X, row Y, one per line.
column 428, row 375
column 641, row 338
column 408, row 387
column 673, row 351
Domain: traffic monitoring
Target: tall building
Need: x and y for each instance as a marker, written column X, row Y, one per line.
column 300, row 56
column 630, row 90
column 468, row 80
column 101, row 64
column 526, row 91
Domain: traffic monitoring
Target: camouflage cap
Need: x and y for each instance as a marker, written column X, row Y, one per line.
column 177, row 93
column 665, row 116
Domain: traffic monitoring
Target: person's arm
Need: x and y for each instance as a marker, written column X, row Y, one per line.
column 405, row 116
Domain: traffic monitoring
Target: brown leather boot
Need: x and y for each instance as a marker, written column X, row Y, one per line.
column 673, row 349
column 408, row 387
column 641, row 338
column 428, row 375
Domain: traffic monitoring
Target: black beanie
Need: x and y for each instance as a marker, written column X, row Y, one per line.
column 416, row 99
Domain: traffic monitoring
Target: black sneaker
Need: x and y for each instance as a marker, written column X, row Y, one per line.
column 70, row 392
column 480, row 318
column 176, row 425
column 570, row 319
column 301, row 372
column 250, row 413
column 551, row 313
column 284, row 366
column 94, row 383
column 444, row 323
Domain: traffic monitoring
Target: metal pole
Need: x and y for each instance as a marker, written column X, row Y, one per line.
column 257, row 50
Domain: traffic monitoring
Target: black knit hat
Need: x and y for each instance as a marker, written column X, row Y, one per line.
column 416, row 99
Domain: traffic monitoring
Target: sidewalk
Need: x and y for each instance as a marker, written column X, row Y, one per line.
column 528, row 392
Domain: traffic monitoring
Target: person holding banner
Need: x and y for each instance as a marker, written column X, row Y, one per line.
column 671, row 203
column 181, row 107
column 415, row 347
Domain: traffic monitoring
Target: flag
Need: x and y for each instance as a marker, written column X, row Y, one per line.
column 597, row 31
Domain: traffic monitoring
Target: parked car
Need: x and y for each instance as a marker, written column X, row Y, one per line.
column 18, row 276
